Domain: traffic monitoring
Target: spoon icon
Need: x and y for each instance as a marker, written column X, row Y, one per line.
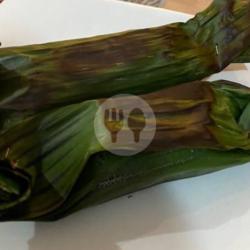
column 136, row 123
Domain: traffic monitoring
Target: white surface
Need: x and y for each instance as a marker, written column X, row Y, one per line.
column 204, row 213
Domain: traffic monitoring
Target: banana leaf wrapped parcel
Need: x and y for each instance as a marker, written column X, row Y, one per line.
column 56, row 139
column 52, row 163
column 135, row 62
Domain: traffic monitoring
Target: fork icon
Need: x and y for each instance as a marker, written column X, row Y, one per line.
column 113, row 121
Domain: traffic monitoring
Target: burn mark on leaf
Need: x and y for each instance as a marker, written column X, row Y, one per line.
column 114, row 52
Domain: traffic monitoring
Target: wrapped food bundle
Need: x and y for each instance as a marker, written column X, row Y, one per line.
column 134, row 62
column 58, row 142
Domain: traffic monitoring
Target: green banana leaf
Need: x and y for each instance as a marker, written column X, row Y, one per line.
column 244, row 57
column 52, row 164
column 107, row 176
column 140, row 61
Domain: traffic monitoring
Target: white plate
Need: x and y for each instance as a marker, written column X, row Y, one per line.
column 205, row 213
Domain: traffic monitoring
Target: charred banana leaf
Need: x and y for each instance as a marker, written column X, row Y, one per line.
column 52, row 163
column 140, row 61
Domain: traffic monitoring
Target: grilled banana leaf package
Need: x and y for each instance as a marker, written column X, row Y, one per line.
column 58, row 150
